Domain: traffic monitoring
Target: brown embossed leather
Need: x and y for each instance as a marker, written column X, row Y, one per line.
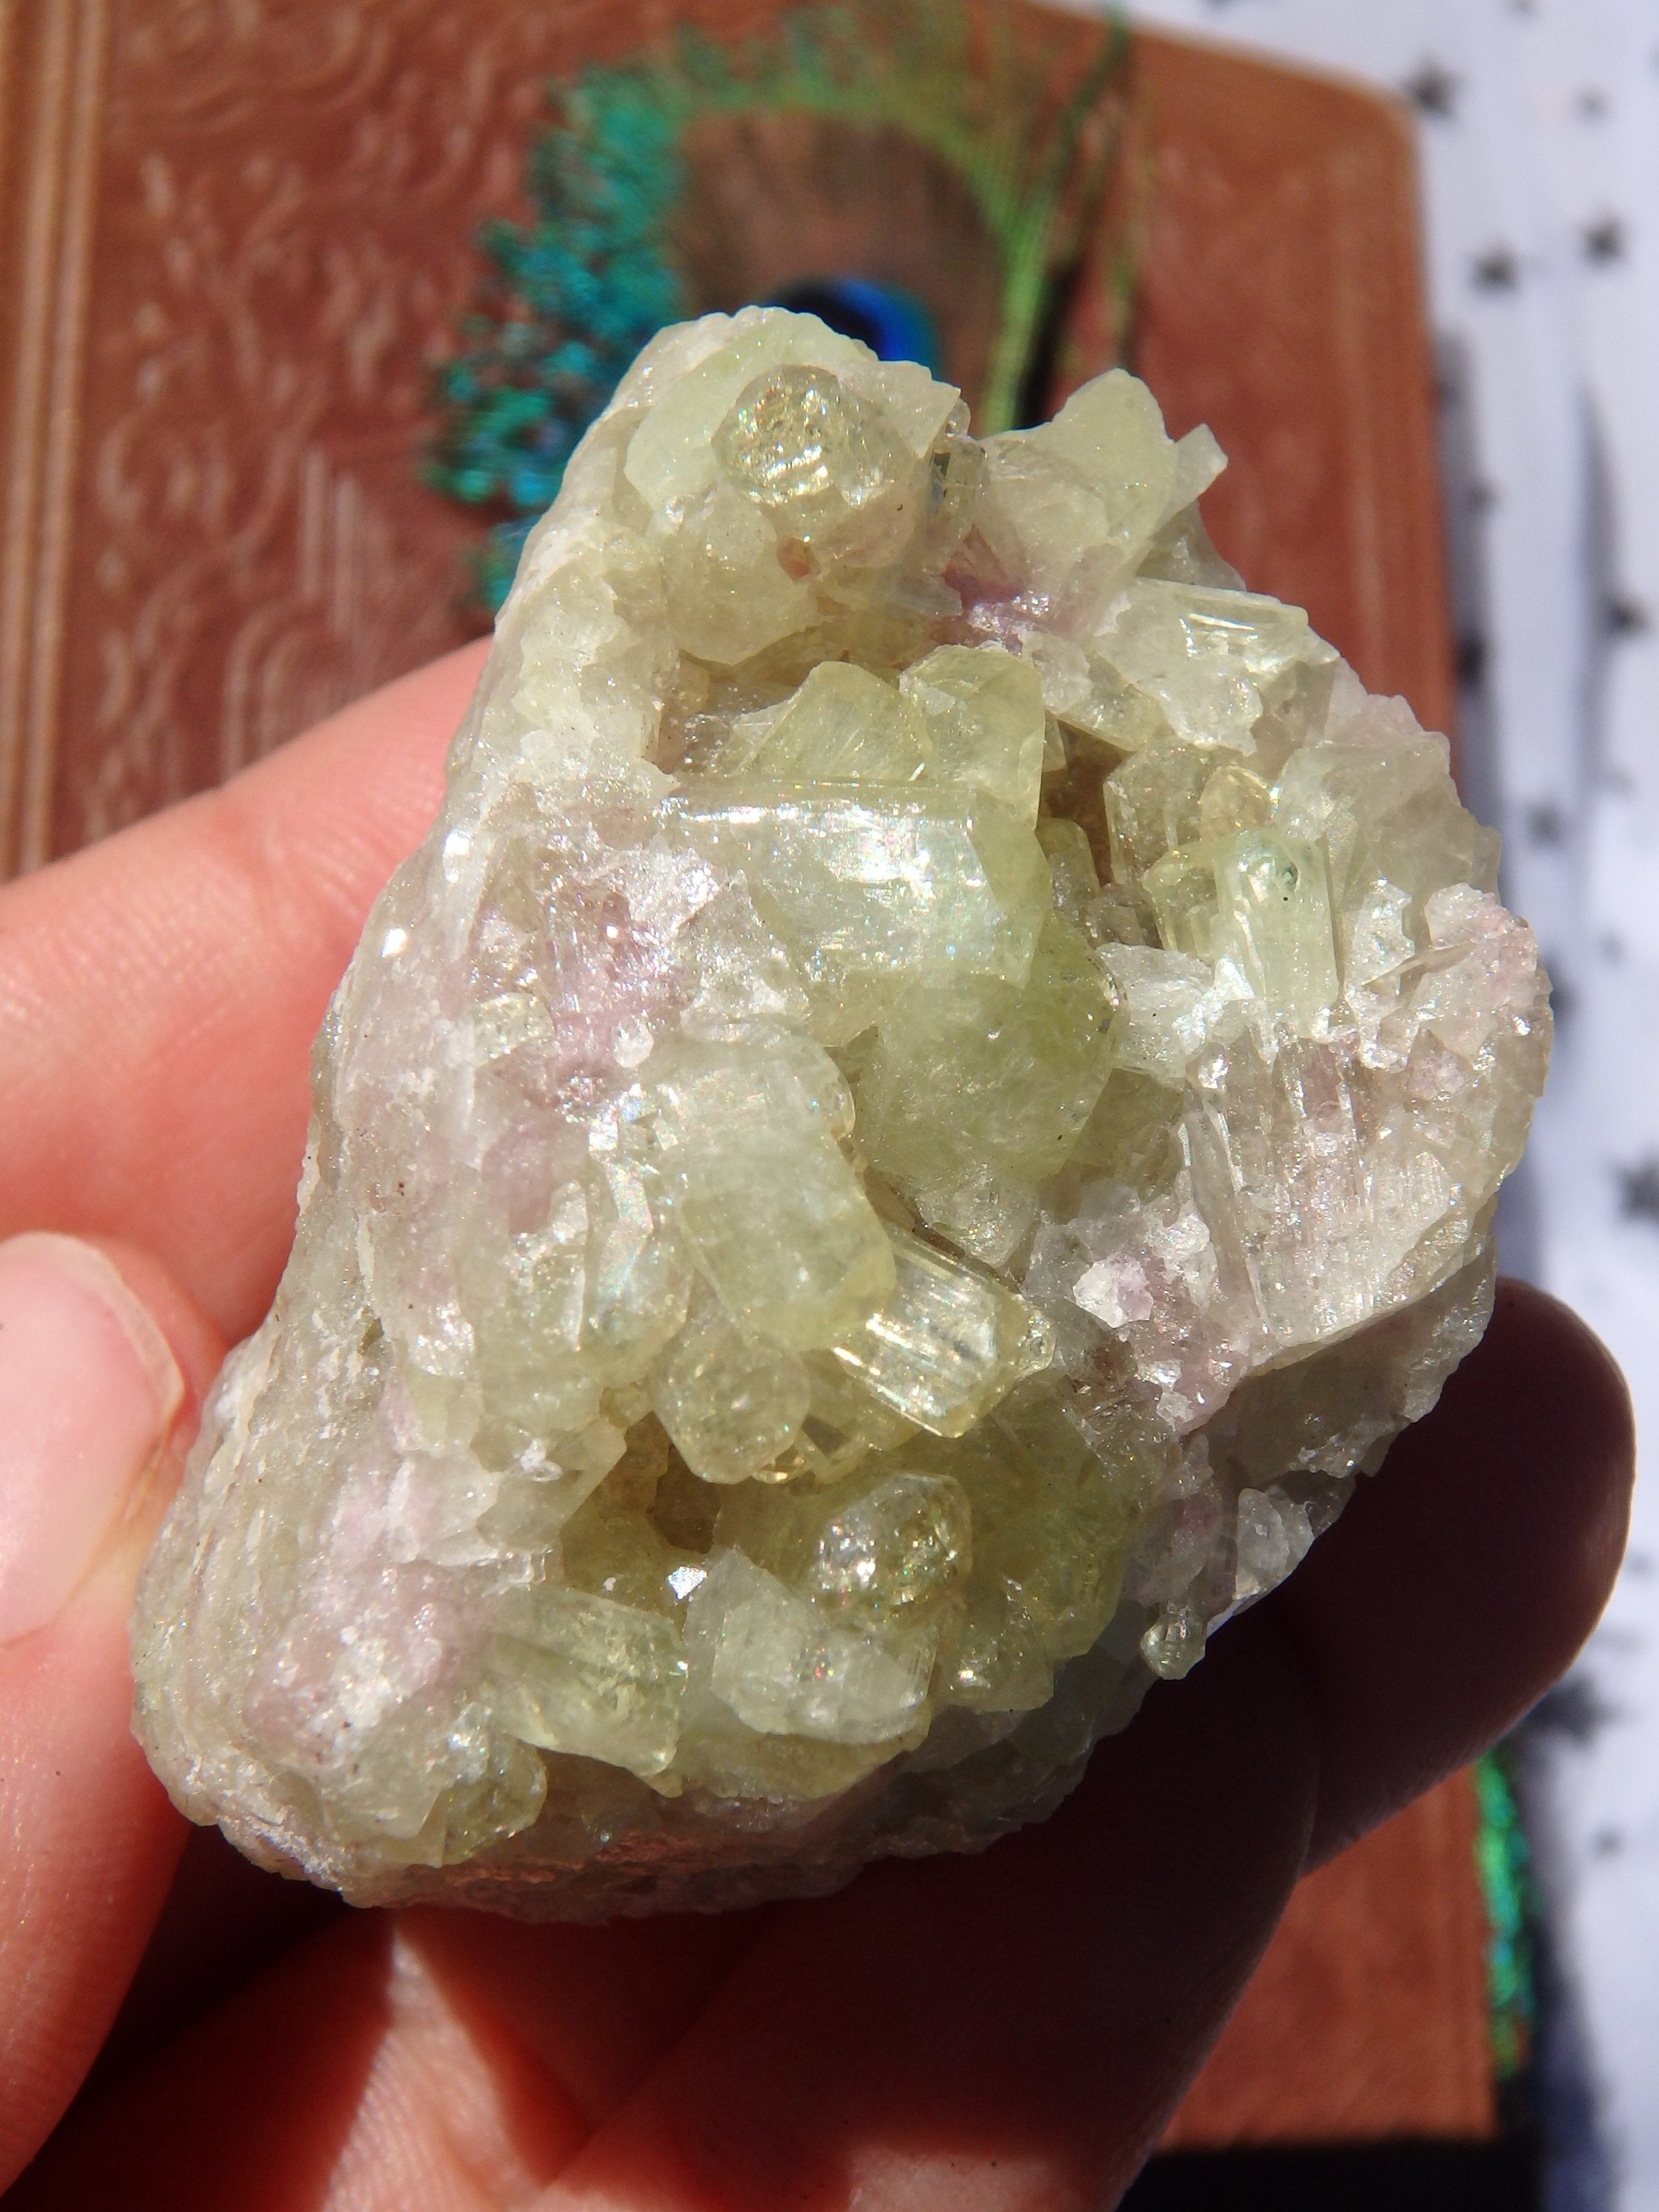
column 231, row 238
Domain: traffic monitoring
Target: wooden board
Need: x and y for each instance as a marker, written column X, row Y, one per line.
column 1367, row 2017
column 229, row 240
column 1281, row 302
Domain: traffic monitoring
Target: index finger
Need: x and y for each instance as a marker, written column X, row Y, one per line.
column 159, row 993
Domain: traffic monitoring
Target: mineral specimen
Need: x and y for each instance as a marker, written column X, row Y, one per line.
column 936, row 1090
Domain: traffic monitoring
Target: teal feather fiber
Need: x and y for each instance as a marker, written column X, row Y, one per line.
column 572, row 294
column 1505, row 1864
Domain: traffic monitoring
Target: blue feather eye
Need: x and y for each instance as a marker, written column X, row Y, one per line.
column 881, row 98
column 892, row 322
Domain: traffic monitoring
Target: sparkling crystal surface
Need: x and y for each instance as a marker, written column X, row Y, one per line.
column 933, row 1096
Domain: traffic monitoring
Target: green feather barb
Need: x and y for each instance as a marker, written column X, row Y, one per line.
column 571, row 294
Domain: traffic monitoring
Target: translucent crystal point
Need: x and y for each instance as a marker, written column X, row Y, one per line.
column 767, row 1202
column 843, row 726
column 986, row 722
column 934, row 1094
column 947, row 1344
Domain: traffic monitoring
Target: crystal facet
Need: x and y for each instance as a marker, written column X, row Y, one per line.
column 935, row 1093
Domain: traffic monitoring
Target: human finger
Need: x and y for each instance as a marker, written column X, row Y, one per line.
column 397, row 2060
column 223, row 1922
column 98, row 1387
column 1008, row 2033
column 1462, row 1578
column 159, row 993
column 1005, row 2031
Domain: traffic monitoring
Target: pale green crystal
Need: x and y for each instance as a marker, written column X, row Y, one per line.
column 763, row 1196
column 670, row 455
column 986, row 1089
column 843, row 726
column 898, row 1548
column 1153, row 802
column 732, row 1404
column 577, row 1674
column 1208, row 657
column 934, row 1094
column 1070, row 506
column 1181, row 890
column 837, row 871
column 785, row 1670
column 1272, row 925
column 730, row 598
column 947, row 1344
column 843, row 1422
column 985, row 720
column 827, row 469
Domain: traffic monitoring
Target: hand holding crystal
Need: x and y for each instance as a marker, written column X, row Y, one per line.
column 1007, row 2030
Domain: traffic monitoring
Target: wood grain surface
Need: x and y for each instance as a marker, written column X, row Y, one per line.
column 231, row 240
column 1367, row 2016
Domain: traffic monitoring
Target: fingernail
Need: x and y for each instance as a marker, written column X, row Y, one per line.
column 88, row 1392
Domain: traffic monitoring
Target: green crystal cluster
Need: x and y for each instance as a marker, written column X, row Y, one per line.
column 935, row 1092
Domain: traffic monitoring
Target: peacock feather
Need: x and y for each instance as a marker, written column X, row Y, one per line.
column 1510, row 1891
column 919, row 171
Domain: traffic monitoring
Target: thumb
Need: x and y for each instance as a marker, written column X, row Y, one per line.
column 103, row 1360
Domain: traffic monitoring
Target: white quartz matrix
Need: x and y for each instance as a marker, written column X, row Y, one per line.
column 935, row 1091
